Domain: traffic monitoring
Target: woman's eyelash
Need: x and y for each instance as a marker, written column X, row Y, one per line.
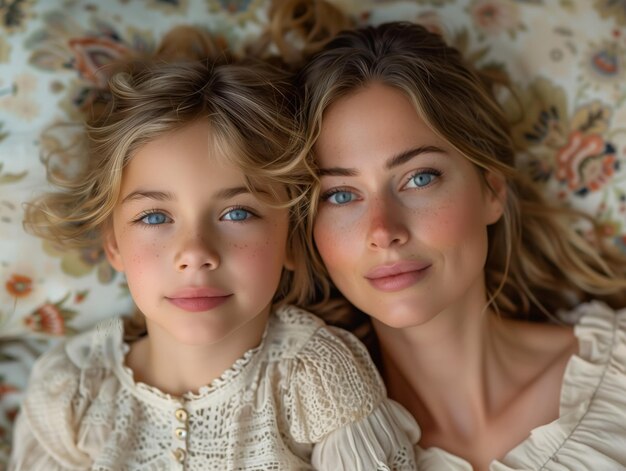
column 327, row 194
column 424, row 171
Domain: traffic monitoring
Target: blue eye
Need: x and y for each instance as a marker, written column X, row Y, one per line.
column 422, row 179
column 340, row 197
column 154, row 219
column 237, row 214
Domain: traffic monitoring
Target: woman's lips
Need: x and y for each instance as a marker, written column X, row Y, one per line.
column 397, row 276
column 198, row 299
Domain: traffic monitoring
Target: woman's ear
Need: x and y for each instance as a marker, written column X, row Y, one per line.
column 496, row 196
column 109, row 243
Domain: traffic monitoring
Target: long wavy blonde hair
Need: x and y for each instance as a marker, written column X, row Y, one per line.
column 249, row 105
column 537, row 261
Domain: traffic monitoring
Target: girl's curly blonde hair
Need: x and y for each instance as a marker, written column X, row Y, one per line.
column 249, row 105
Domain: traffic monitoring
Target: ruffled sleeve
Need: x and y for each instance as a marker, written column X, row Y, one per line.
column 51, row 432
column 333, row 383
column 336, row 400
column 382, row 441
column 591, row 430
column 45, row 434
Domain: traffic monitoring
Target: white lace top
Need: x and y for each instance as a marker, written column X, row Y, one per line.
column 308, row 397
column 590, row 433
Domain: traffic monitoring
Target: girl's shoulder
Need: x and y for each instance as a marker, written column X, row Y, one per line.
column 330, row 379
column 100, row 348
column 62, row 384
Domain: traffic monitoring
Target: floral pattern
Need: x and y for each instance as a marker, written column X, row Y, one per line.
column 19, row 286
column 612, row 9
column 567, row 108
column 51, row 318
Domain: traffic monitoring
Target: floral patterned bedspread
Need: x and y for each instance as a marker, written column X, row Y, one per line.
column 565, row 59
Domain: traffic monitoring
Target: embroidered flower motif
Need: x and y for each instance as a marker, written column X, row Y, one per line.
column 6, row 388
column 13, row 14
column 233, row 6
column 573, row 149
column 496, row 17
column 605, row 63
column 5, row 50
column 18, row 98
column 80, row 296
column 82, row 262
column 51, row 318
column 586, row 163
column 19, row 286
column 612, row 9
column 64, row 44
column 91, row 54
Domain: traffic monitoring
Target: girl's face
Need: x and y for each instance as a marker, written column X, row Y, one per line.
column 201, row 254
column 402, row 220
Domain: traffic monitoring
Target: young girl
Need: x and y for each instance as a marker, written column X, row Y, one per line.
column 193, row 172
column 424, row 224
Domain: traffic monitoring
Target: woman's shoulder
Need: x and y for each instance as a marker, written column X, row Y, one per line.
column 591, row 427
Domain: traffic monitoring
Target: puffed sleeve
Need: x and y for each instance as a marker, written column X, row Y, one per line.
column 336, row 400
column 45, row 433
column 382, row 441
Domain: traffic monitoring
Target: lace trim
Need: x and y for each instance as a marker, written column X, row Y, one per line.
column 235, row 370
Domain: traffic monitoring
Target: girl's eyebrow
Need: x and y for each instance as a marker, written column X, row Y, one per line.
column 228, row 193
column 392, row 162
column 155, row 195
column 225, row 194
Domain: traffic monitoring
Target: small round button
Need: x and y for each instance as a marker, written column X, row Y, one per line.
column 181, row 433
column 181, row 415
column 179, row 455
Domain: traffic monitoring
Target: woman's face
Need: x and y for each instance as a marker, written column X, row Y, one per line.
column 402, row 220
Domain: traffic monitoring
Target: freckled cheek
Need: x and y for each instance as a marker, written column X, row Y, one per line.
column 451, row 224
column 335, row 241
column 142, row 255
column 262, row 251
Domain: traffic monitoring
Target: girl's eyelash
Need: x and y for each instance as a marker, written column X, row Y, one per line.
column 145, row 213
column 254, row 214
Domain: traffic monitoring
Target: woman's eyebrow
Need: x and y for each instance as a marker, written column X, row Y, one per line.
column 391, row 163
column 407, row 155
column 337, row 172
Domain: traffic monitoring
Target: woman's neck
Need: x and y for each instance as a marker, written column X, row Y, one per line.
column 437, row 370
column 475, row 382
column 175, row 368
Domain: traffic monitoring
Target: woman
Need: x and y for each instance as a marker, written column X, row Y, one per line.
column 424, row 224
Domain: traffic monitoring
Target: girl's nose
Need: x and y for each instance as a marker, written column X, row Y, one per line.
column 387, row 227
column 197, row 253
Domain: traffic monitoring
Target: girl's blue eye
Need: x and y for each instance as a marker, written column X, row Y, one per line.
column 422, row 179
column 341, row 197
column 237, row 215
column 154, row 219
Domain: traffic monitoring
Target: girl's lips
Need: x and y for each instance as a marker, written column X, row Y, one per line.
column 200, row 303
column 397, row 276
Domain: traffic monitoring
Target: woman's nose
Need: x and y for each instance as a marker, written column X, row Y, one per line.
column 387, row 227
column 197, row 252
